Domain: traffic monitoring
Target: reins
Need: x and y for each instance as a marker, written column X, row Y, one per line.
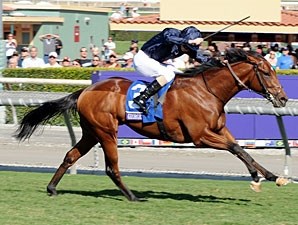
column 236, row 77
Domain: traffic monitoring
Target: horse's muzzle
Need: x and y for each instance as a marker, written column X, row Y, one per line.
column 279, row 102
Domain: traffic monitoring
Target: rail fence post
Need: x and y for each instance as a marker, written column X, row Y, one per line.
column 287, row 165
column 96, row 155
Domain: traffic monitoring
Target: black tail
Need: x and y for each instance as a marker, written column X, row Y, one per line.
column 44, row 113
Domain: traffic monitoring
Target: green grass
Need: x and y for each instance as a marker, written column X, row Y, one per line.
column 91, row 199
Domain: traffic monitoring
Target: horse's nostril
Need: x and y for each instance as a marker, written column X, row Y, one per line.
column 283, row 100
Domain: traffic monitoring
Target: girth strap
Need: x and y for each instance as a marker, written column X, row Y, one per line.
column 160, row 124
column 162, row 130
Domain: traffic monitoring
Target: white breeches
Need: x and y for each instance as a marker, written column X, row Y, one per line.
column 151, row 68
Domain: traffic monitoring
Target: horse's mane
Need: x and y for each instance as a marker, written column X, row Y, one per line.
column 233, row 55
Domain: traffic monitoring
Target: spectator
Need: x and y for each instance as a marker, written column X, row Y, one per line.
column 66, row 62
column 260, row 50
column 49, row 45
column 134, row 42
column 292, row 53
column 110, row 44
column 296, row 53
column 76, row 63
column 10, row 45
column 134, row 48
column 24, row 55
column 239, row 45
column 106, row 53
column 285, row 61
column 117, row 15
column 33, row 61
column 122, row 7
column 84, row 61
column 134, row 13
column 128, row 60
column 275, row 48
column 127, row 9
column 214, row 50
column 52, row 60
column 58, row 46
column 13, row 62
column 246, row 47
column 96, row 61
column 113, row 62
column 271, row 58
column 95, row 51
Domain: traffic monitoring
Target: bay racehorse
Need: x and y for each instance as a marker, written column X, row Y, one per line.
column 193, row 111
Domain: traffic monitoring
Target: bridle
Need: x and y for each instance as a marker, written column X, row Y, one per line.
column 266, row 94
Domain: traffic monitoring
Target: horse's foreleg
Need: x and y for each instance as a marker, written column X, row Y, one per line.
column 80, row 149
column 220, row 142
column 224, row 140
column 247, row 160
column 251, row 163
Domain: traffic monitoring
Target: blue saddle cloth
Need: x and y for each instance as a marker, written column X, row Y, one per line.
column 154, row 110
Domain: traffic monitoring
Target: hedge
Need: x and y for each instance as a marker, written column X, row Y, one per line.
column 49, row 73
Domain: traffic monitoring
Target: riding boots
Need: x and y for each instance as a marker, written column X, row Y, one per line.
column 150, row 90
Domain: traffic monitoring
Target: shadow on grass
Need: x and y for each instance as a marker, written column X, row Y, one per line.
column 147, row 195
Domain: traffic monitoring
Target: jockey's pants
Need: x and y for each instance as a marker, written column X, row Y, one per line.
column 151, row 68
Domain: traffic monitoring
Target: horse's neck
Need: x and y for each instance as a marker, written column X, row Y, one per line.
column 223, row 85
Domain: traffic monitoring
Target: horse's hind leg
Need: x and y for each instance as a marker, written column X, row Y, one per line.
column 79, row 150
column 109, row 145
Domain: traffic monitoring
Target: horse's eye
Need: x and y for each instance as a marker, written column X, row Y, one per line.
column 266, row 74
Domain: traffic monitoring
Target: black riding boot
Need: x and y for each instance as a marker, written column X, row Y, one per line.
column 150, row 90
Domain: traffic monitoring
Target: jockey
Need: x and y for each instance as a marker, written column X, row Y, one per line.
column 168, row 44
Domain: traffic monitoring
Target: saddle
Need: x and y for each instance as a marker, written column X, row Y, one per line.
column 154, row 103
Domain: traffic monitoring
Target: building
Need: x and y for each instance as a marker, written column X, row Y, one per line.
column 77, row 26
column 270, row 21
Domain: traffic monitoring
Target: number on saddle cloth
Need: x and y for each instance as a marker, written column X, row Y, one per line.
column 154, row 107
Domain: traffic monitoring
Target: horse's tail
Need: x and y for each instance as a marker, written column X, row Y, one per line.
column 44, row 113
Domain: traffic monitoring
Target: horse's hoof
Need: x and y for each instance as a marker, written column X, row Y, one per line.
column 280, row 181
column 139, row 200
column 136, row 199
column 255, row 186
column 51, row 191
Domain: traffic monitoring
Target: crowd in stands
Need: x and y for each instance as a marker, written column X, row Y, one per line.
column 280, row 57
column 106, row 56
